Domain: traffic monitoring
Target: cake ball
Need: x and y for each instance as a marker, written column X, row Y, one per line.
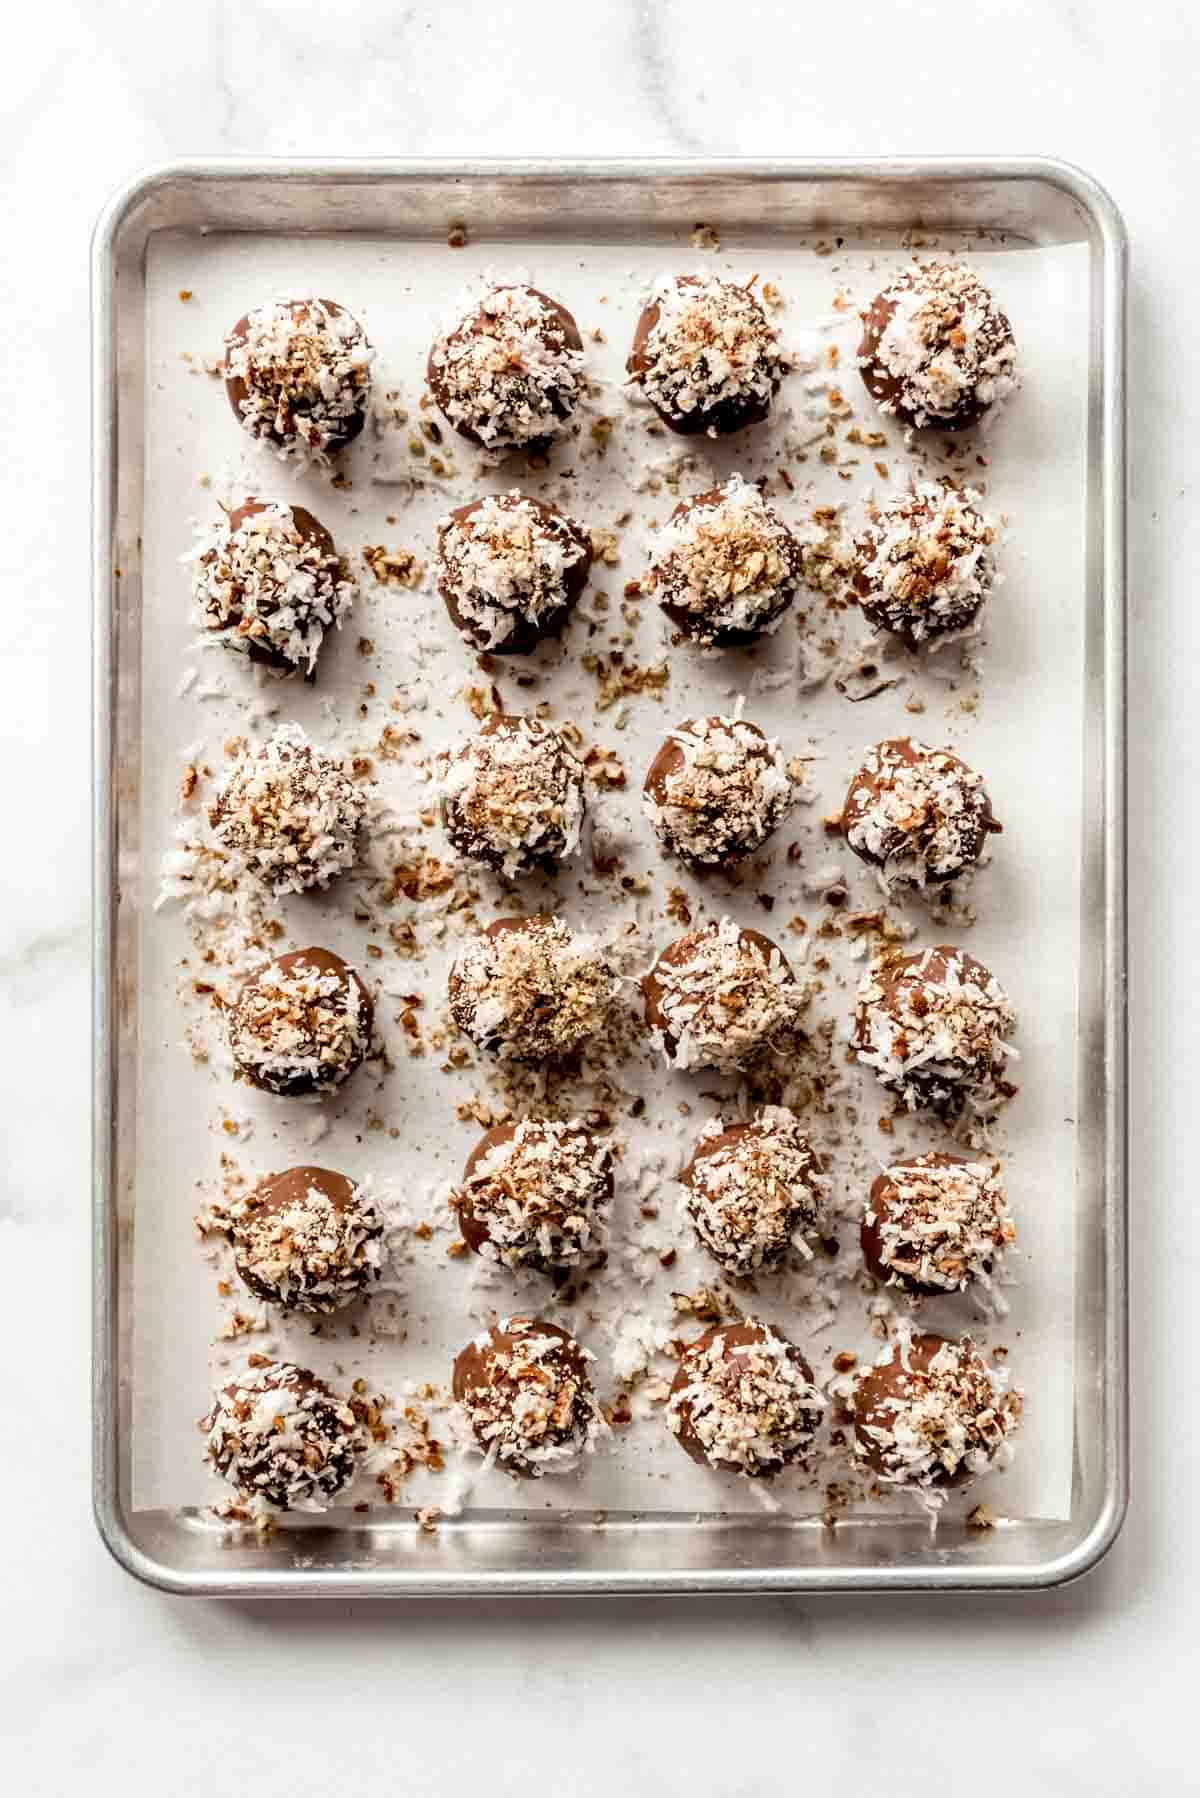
column 925, row 563
column 932, row 1413
column 527, row 1396
column 743, row 1400
column 705, row 355
column 918, row 815
column 289, row 814
column 936, row 349
column 536, row 1194
column 512, row 570
column 755, row 1191
column 308, row 1240
column 279, row 1434
column 716, row 791
column 725, row 566
column 298, row 376
column 267, row 581
column 302, row 1024
column 933, row 1026
column 512, row 798
column 510, row 374
column 716, row 997
column 530, row 989
column 935, row 1223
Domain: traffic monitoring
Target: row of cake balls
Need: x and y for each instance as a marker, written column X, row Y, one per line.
column 513, row 798
column 933, row 1025
column 536, row 1195
column 268, row 580
column 510, row 373
column 929, row 1415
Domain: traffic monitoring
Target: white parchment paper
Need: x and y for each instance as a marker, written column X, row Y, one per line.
column 1017, row 717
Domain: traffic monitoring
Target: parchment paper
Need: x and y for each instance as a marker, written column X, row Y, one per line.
column 1018, row 719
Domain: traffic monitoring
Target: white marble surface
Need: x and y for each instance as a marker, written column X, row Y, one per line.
column 1086, row 1690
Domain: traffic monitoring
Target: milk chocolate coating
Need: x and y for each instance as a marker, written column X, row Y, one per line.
column 311, row 530
column 475, row 1227
column 937, row 1088
column 478, row 1370
column 279, row 1192
column 731, row 637
column 679, row 951
column 325, row 962
column 879, row 1384
column 237, row 390
column 715, row 822
column 887, row 389
column 735, row 1335
column 249, row 1461
column 870, row 1235
column 525, row 633
column 727, row 416
column 473, row 325
column 865, row 789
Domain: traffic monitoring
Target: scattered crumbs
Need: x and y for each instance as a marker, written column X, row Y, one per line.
column 394, row 567
column 706, row 237
column 456, row 236
column 981, row 1518
column 185, row 294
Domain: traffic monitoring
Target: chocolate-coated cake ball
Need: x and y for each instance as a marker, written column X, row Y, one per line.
column 936, row 350
column 716, row 791
column 934, row 1223
column 512, row 798
column 280, row 1435
column 536, row 1194
column 298, row 376
column 289, row 813
column 308, row 1239
column 931, row 1414
column 743, row 1401
column 302, row 1024
column 718, row 996
column 705, row 355
column 755, row 1191
column 525, row 1390
column 725, row 566
column 933, row 1026
column 918, row 815
column 512, row 570
column 925, row 563
column 510, row 374
column 268, row 581
column 529, row 989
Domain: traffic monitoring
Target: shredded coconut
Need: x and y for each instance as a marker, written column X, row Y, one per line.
column 270, row 585
column 280, row 1435
column 305, row 369
column 717, row 790
column 937, row 349
column 510, row 566
column 725, row 566
column 289, row 814
column 536, row 1194
column 744, row 1397
column 308, row 1240
column 755, row 1191
column 513, row 796
column 529, row 989
column 917, row 814
column 525, row 1390
column 711, row 359
column 511, row 374
column 719, row 996
column 926, row 563
column 934, row 1027
column 935, row 1223
column 932, row 1412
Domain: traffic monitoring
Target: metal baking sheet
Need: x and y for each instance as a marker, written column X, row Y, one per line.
column 610, row 206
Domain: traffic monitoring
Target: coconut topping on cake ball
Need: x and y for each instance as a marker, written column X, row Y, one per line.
column 705, row 355
column 936, row 349
column 268, row 581
column 925, row 563
column 526, row 1393
column 931, row 1413
column 289, row 813
column 510, row 374
column 298, row 376
column 716, row 997
column 743, row 1400
column 536, row 1194
column 934, row 1223
column 308, row 1240
column 280, row 1435
column 755, row 1191
column 513, row 798
column 934, row 1027
column 512, row 570
column 530, row 989
column 725, row 566
column 918, row 815
column 302, row 1024
column 716, row 791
